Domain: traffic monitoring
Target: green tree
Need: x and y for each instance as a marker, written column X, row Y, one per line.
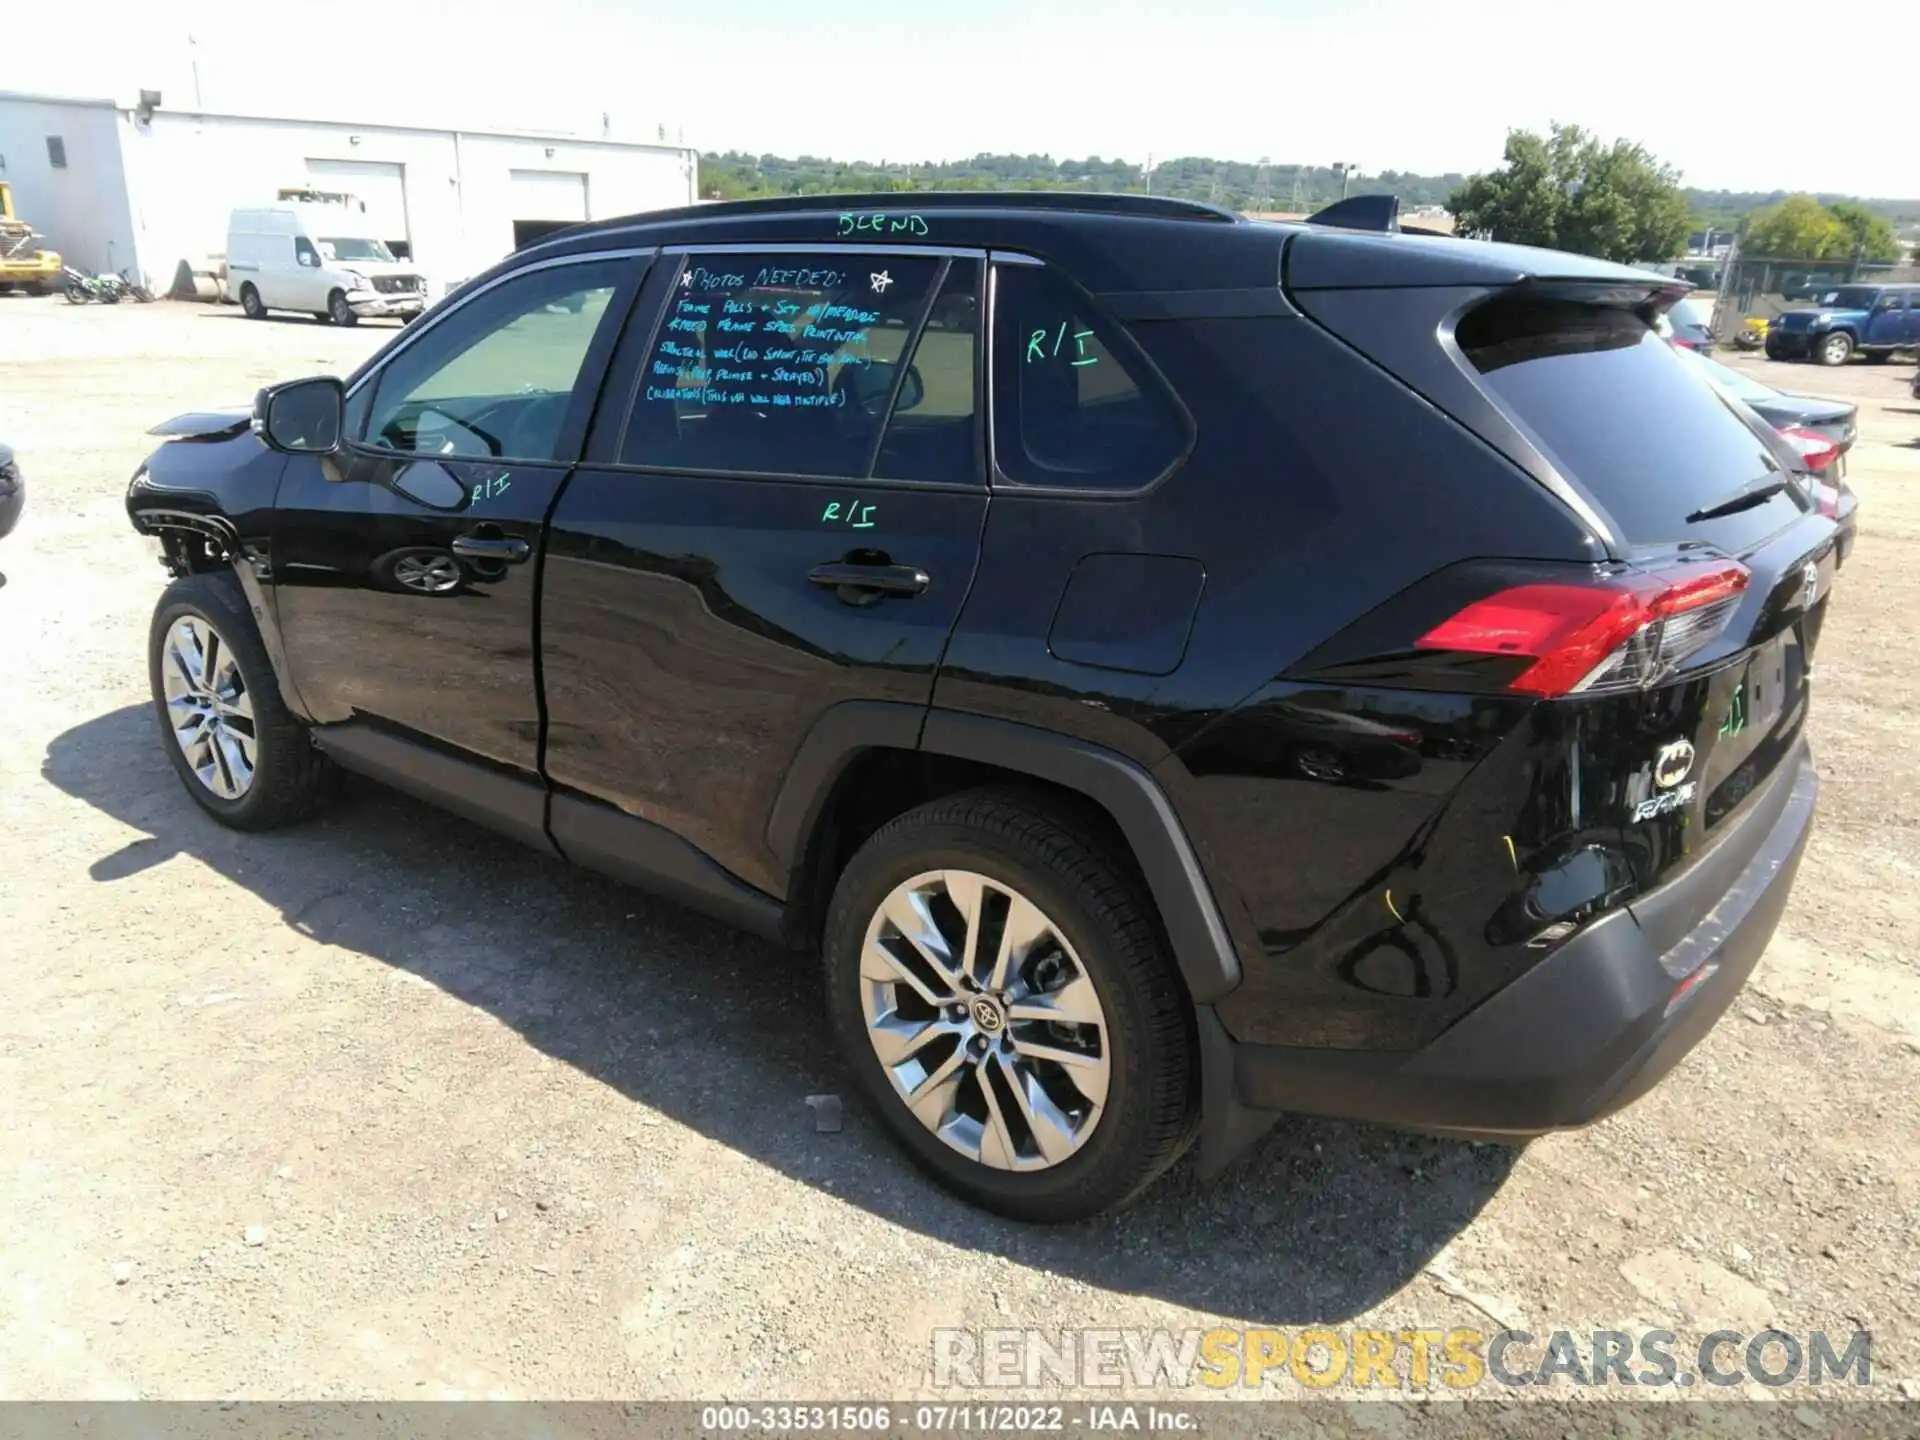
column 1569, row 191
column 1798, row 228
column 1868, row 234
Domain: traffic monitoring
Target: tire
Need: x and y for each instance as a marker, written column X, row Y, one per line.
column 76, row 293
column 250, row 302
column 1835, row 349
column 338, row 311
column 37, row 287
column 1099, row 926
column 290, row 779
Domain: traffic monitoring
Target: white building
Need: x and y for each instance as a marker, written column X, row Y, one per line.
column 148, row 188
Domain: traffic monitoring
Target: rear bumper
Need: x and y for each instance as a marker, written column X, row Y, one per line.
column 1590, row 1029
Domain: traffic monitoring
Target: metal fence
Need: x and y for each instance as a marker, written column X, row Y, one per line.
column 1761, row 287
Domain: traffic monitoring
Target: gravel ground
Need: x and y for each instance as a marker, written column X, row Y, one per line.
column 388, row 1107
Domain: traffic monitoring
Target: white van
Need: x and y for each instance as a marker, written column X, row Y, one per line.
column 307, row 257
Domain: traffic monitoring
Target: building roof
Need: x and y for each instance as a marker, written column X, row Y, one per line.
column 491, row 131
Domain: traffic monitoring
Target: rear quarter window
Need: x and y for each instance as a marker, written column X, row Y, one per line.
column 1616, row 411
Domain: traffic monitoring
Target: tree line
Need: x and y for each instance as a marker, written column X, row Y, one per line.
column 1567, row 189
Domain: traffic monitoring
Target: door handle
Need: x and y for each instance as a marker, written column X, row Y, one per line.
column 491, row 547
column 861, row 584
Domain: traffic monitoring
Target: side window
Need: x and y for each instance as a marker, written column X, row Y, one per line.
column 1072, row 403
column 493, row 380
column 931, row 435
column 791, row 364
column 304, row 253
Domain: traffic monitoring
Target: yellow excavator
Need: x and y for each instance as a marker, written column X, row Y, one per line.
column 22, row 263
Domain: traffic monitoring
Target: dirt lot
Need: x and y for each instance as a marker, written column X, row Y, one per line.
column 388, row 1107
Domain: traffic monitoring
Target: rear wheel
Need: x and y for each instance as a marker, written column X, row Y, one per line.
column 239, row 751
column 250, row 302
column 1836, row 349
column 339, row 311
column 1007, row 1005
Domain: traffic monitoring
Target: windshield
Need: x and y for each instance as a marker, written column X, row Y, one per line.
column 342, row 247
column 1850, row 297
column 1745, row 386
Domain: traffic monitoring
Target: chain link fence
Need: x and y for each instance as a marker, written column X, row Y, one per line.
column 1759, row 287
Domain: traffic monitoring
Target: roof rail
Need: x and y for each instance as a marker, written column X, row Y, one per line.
column 1162, row 207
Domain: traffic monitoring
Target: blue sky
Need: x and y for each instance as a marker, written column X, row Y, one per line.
column 1385, row 83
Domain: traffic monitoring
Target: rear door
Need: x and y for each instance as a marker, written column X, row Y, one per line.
column 405, row 568
column 780, row 513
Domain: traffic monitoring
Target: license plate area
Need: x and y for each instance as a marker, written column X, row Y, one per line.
column 1745, row 743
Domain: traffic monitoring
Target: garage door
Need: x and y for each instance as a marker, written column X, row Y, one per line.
column 381, row 190
column 545, row 201
column 549, row 195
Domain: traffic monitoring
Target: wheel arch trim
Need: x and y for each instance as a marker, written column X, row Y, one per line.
column 1202, row 946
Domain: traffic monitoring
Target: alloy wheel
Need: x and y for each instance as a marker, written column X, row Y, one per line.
column 985, row 1021
column 433, row 573
column 208, row 707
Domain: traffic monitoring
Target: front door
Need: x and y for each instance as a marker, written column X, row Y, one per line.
column 1887, row 320
column 404, row 568
column 780, row 512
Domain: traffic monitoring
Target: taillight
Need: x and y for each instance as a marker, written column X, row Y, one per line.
column 1815, row 450
column 1619, row 632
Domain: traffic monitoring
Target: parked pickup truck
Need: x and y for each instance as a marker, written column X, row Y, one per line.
column 1871, row 320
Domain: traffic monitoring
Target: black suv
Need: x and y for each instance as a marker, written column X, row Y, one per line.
column 1171, row 668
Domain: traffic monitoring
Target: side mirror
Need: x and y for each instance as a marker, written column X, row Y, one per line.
column 867, row 387
column 912, row 390
column 301, row 417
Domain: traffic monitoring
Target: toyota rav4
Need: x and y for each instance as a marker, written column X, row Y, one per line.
column 1169, row 668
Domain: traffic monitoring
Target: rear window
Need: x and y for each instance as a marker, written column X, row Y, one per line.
column 1614, row 408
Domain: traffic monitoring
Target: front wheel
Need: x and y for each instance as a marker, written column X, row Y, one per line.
column 239, row 751
column 76, row 293
column 1836, row 349
column 1008, row 1007
column 339, row 311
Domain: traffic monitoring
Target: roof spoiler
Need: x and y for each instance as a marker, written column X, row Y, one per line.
column 1379, row 213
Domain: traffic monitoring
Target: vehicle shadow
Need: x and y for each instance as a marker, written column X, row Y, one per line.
column 725, row 1034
